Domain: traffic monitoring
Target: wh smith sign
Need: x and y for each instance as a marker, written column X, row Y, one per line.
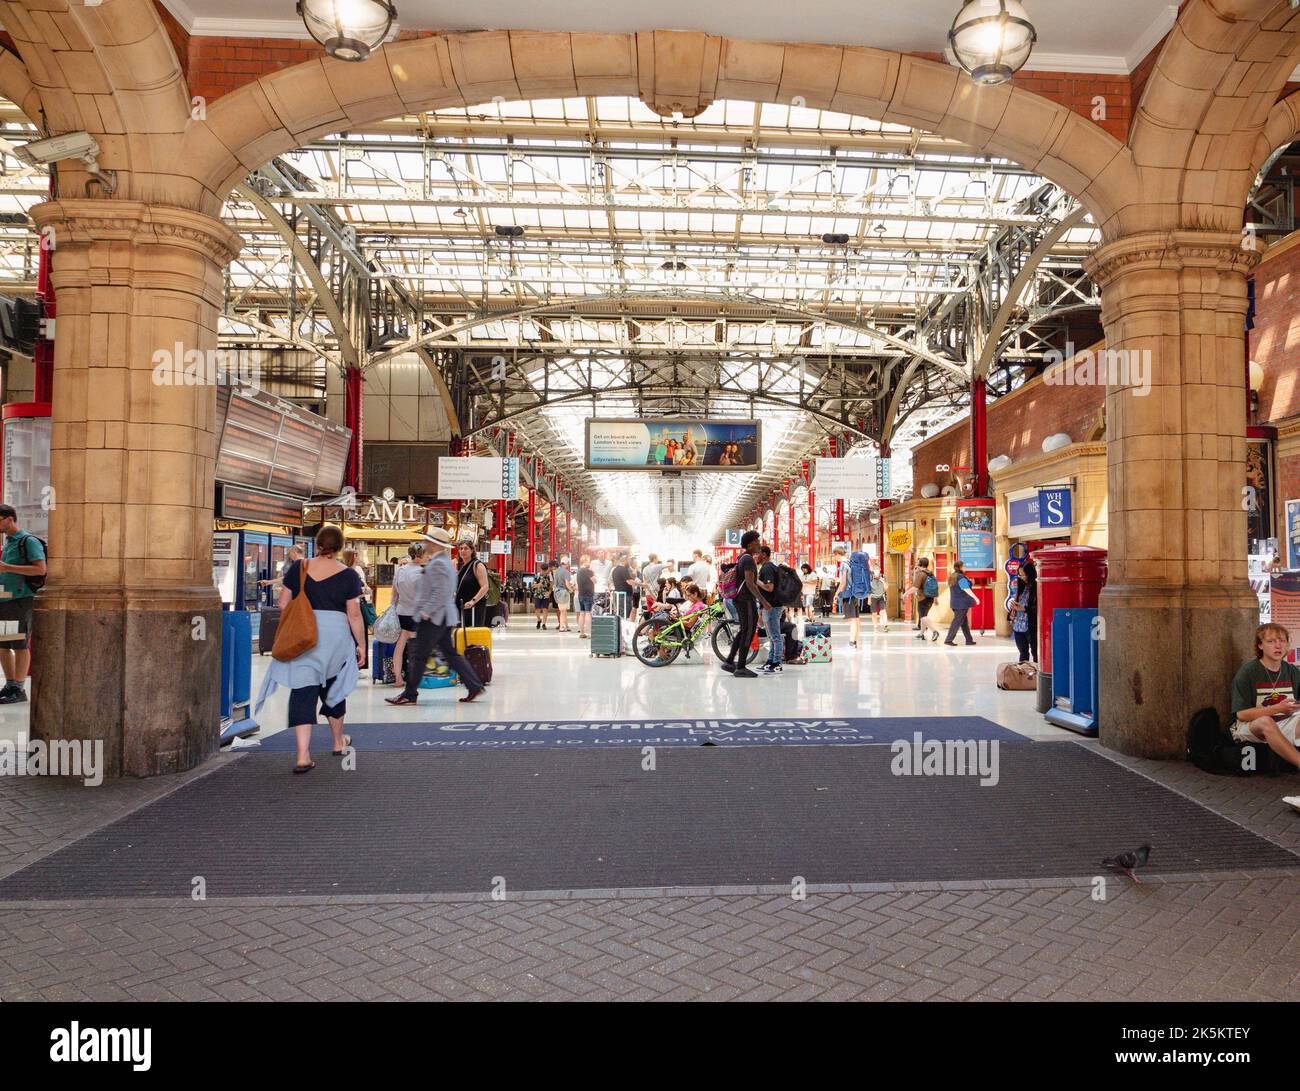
column 1046, row 512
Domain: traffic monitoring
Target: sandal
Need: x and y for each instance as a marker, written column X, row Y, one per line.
column 304, row 768
column 347, row 741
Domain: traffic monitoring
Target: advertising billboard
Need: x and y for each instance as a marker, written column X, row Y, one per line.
column 658, row 443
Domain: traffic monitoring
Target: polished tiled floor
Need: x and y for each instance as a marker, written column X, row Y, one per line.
column 551, row 675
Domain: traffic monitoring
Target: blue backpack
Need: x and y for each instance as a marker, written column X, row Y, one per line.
column 859, row 582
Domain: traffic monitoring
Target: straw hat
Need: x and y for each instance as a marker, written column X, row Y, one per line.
column 440, row 537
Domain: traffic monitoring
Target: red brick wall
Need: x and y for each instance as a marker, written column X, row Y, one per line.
column 218, row 65
column 1275, row 340
column 1288, row 481
column 1017, row 424
column 180, row 38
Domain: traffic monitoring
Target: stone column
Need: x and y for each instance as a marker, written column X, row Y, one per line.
column 1177, row 608
column 127, row 632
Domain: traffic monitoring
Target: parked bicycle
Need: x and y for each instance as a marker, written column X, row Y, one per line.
column 661, row 638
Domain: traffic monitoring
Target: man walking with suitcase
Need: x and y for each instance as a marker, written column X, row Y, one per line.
column 436, row 614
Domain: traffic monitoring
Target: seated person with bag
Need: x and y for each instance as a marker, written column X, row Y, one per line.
column 1266, row 698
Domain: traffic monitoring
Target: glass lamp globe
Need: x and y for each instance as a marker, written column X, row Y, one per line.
column 991, row 39
column 348, row 29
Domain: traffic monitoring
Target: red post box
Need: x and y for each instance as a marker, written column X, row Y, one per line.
column 1068, row 577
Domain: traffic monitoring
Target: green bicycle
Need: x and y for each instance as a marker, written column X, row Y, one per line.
column 660, row 639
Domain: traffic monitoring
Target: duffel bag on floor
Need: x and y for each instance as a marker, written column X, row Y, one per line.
column 815, row 628
column 1017, row 676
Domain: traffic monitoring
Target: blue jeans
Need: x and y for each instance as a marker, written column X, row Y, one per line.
column 772, row 626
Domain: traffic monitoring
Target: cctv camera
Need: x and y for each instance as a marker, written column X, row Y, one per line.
column 54, row 149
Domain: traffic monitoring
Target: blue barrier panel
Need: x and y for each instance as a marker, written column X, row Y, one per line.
column 227, row 664
column 241, row 639
column 1074, row 671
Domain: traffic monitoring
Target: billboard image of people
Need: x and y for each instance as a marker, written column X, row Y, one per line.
column 674, row 444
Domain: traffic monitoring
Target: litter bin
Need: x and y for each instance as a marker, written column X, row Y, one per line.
column 1074, row 671
column 1069, row 577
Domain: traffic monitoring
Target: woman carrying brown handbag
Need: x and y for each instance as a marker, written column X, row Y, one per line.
column 323, row 670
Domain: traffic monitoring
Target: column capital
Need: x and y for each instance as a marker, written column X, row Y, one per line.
column 1222, row 251
column 135, row 222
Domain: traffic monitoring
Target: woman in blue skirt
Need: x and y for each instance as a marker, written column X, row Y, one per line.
column 326, row 673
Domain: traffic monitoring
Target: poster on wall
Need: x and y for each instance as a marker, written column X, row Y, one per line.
column 975, row 536
column 224, row 546
column 478, row 478
column 674, row 444
column 1292, row 532
column 1285, row 594
column 1258, row 495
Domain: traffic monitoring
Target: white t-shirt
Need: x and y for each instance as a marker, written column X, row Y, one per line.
column 699, row 573
column 600, row 571
column 406, row 580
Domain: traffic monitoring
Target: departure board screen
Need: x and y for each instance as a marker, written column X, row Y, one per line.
column 269, row 443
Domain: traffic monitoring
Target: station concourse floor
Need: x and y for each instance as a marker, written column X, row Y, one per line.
column 1016, row 930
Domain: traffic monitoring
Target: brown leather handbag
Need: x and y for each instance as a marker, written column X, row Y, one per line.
column 297, row 630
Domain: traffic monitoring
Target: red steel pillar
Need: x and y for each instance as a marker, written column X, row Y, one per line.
column 979, row 426
column 43, row 352
column 568, row 528
column 790, row 543
column 883, row 503
column 532, row 528
column 555, row 500
column 352, row 387
column 839, row 504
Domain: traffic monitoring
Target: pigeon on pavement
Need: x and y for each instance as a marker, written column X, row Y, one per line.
column 1128, row 862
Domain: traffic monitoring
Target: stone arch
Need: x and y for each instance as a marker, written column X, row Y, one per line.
column 110, row 69
column 1206, row 108
column 16, row 85
column 669, row 70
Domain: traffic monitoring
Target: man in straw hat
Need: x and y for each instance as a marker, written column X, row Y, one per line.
column 436, row 616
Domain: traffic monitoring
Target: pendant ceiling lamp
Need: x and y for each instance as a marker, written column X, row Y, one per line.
column 991, row 39
column 348, row 29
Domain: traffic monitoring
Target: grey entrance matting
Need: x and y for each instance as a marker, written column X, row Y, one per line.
column 563, row 820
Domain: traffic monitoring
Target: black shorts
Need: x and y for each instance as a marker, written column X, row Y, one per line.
column 407, row 622
column 19, row 610
column 542, row 603
column 302, row 704
column 850, row 607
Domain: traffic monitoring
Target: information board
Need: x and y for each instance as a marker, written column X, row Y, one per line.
column 844, row 479
column 478, row 478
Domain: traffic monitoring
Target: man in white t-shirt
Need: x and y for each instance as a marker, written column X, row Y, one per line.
column 712, row 584
column 699, row 571
column 601, row 567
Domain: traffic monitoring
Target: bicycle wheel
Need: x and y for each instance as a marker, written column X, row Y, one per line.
column 723, row 636
column 646, row 648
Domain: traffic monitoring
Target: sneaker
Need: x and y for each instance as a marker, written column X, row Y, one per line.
column 12, row 694
column 743, row 672
column 767, row 668
column 728, row 667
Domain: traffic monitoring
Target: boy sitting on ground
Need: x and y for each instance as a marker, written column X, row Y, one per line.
column 1266, row 698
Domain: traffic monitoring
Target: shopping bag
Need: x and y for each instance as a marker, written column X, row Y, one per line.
column 388, row 628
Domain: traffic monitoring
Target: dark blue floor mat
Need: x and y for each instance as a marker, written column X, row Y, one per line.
column 528, row 734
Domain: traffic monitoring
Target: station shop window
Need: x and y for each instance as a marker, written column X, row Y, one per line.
column 942, row 533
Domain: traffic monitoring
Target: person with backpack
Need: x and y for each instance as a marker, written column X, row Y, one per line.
column 854, row 587
column 1027, row 577
column 926, row 588
column 405, row 582
column 961, row 597
column 22, row 574
column 879, row 615
column 767, row 577
column 740, row 585
column 1266, row 695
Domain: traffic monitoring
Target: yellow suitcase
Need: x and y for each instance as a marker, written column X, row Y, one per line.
column 480, row 635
